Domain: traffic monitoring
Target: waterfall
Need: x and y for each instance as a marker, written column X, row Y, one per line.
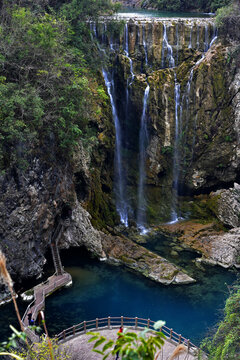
column 143, row 138
column 197, row 37
column 145, row 44
column 190, row 40
column 128, row 144
column 166, row 45
column 126, row 50
column 93, row 28
column 214, row 37
column 121, row 203
column 104, row 36
column 206, row 46
column 174, row 215
column 177, row 41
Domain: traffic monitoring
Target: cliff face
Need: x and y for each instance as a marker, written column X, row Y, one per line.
column 193, row 122
column 34, row 201
column 192, row 116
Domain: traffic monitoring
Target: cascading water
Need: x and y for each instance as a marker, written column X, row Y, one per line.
column 126, row 50
column 214, row 37
column 177, row 41
column 145, row 45
column 184, row 115
column 165, row 45
column 143, row 138
column 190, row 40
column 197, row 43
column 121, row 203
column 174, row 214
column 206, row 41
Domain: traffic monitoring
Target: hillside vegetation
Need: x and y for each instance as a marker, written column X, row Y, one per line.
column 48, row 88
column 186, row 5
column 225, row 343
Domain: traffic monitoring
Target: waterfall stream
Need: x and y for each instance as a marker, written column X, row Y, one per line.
column 143, row 138
column 190, row 40
column 167, row 46
column 126, row 50
column 174, row 213
column 121, row 203
column 145, row 45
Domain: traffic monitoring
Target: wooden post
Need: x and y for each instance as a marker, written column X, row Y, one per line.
column 121, row 320
column 109, row 322
column 170, row 334
column 96, row 323
column 84, row 326
column 64, row 334
column 148, row 323
column 180, row 338
column 188, row 344
column 74, row 330
column 136, row 323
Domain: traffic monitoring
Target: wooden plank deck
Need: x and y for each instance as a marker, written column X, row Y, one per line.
column 41, row 291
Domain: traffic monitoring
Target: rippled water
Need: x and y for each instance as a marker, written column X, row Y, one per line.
column 101, row 290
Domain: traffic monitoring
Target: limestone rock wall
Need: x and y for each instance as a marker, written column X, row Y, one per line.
column 204, row 144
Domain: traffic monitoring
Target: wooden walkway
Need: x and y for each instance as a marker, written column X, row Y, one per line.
column 53, row 283
column 43, row 290
column 75, row 337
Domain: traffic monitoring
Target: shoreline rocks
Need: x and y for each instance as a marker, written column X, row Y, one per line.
column 123, row 251
column 216, row 246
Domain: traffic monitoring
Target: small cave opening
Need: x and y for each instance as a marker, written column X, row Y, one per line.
column 81, row 186
column 66, row 212
column 106, row 188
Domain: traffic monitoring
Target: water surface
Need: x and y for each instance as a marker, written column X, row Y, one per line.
column 101, row 290
column 143, row 13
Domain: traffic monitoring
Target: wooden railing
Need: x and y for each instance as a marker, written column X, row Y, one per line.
column 129, row 322
column 45, row 291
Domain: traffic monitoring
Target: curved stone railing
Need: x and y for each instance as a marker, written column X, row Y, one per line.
column 129, row 322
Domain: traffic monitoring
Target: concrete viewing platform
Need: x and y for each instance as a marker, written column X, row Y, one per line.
column 81, row 349
column 75, row 338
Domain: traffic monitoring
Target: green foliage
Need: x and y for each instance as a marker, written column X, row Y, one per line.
column 47, row 90
column 228, row 138
column 39, row 350
column 225, row 343
column 42, row 351
column 130, row 345
column 87, row 9
column 115, row 28
column 188, row 5
column 12, row 340
column 167, row 150
column 222, row 13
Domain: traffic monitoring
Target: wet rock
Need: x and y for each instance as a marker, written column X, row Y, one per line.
column 228, row 206
column 124, row 251
column 80, row 232
column 216, row 247
column 224, row 249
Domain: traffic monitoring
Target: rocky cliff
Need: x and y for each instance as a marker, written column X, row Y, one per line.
column 186, row 56
column 192, row 126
